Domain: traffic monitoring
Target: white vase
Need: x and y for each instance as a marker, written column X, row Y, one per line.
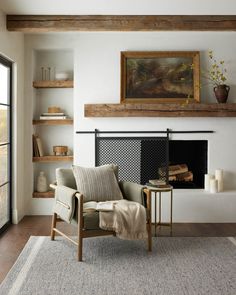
column 42, row 185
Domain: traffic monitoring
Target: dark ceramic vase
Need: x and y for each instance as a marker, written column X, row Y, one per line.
column 221, row 93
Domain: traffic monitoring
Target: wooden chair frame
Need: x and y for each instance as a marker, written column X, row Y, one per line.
column 82, row 233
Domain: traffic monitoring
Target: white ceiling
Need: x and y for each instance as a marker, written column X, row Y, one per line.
column 118, row 6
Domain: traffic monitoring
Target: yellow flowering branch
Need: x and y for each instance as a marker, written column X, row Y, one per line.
column 216, row 72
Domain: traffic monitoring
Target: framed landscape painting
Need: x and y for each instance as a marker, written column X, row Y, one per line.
column 160, row 76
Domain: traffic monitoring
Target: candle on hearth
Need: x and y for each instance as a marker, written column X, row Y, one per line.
column 219, row 177
column 219, row 174
column 220, row 185
column 208, row 177
column 213, row 186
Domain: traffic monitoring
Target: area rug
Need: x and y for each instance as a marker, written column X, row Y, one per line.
column 112, row 266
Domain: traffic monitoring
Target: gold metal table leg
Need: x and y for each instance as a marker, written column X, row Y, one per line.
column 155, row 214
column 171, row 210
column 159, row 207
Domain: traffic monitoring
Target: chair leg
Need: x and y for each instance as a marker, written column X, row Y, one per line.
column 80, row 228
column 54, row 223
column 149, row 221
column 80, row 246
column 149, row 230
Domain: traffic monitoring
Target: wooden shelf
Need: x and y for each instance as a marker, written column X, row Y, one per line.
column 49, row 194
column 53, row 159
column 53, row 122
column 160, row 110
column 54, row 84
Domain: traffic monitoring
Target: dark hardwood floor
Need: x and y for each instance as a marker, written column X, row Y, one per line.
column 13, row 240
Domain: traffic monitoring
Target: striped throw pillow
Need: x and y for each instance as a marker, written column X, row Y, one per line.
column 97, row 184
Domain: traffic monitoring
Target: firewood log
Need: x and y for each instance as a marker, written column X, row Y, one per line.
column 177, row 169
column 186, row 176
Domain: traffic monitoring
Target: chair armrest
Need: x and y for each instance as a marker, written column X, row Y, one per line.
column 66, row 202
column 132, row 191
column 53, row 186
column 148, row 200
column 77, row 195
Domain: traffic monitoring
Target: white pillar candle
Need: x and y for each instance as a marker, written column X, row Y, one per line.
column 213, row 186
column 208, row 177
column 219, row 174
column 220, row 185
column 219, row 177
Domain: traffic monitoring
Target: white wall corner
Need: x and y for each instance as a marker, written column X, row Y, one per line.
column 12, row 48
column 16, row 216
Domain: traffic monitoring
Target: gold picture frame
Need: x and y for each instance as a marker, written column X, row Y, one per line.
column 160, row 76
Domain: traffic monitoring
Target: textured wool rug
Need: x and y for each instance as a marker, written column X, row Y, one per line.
column 112, row 266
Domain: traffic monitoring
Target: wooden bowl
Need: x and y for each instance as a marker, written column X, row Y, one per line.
column 54, row 110
column 60, row 150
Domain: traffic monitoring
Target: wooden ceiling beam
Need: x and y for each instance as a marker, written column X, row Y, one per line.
column 60, row 23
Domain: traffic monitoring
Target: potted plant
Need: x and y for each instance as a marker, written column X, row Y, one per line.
column 216, row 75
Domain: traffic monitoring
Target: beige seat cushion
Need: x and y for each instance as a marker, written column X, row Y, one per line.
column 98, row 183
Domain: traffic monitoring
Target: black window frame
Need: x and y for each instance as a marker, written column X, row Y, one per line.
column 7, row 63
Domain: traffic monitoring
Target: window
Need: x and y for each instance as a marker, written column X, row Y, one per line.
column 5, row 142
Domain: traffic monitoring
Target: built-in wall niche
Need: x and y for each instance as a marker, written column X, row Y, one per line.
column 58, row 61
column 52, row 111
column 48, row 63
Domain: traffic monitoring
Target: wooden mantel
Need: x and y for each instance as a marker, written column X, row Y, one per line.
column 160, row 110
column 57, row 23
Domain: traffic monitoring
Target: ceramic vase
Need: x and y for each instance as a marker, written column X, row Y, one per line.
column 42, row 185
column 221, row 93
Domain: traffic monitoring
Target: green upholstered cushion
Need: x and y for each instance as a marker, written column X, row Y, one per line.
column 98, row 183
column 91, row 220
column 132, row 191
column 66, row 176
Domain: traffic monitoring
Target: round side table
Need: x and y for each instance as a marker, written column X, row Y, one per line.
column 157, row 191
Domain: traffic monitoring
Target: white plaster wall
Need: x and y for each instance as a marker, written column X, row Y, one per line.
column 98, row 77
column 12, row 47
column 97, row 80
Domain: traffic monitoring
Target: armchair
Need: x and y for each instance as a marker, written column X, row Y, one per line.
column 71, row 209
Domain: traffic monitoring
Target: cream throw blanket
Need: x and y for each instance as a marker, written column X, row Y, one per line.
column 128, row 220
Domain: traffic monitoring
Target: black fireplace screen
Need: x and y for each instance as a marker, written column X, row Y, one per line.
column 139, row 158
column 182, row 163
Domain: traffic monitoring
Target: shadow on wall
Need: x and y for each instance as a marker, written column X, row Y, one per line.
column 232, row 94
column 228, row 183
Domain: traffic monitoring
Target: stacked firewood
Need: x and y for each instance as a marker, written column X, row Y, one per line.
column 178, row 172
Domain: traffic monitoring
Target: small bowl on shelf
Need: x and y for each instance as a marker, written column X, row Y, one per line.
column 60, row 150
column 54, row 109
column 62, row 76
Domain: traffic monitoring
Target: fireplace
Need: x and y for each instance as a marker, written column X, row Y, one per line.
column 193, row 155
column 143, row 158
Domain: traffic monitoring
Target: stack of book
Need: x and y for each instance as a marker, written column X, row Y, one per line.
column 158, row 183
column 53, row 116
column 37, row 146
